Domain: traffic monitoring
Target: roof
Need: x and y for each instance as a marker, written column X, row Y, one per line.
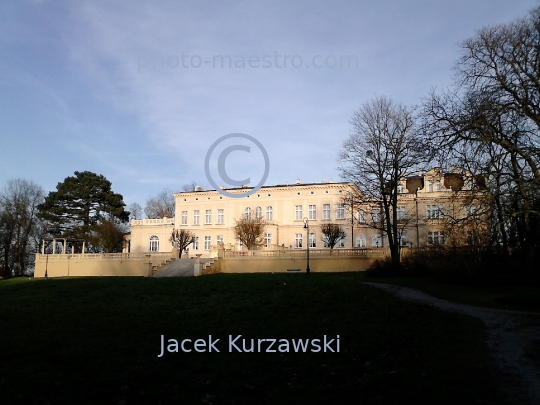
column 270, row 187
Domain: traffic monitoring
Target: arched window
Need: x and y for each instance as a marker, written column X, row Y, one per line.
column 269, row 213
column 376, row 240
column 258, row 213
column 361, row 241
column 153, row 245
column 248, row 214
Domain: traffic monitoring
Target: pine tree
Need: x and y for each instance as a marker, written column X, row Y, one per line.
column 80, row 204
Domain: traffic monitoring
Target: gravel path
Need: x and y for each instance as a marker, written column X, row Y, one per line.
column 509, row 333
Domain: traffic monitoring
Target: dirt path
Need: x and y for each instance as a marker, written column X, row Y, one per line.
column 509, row 334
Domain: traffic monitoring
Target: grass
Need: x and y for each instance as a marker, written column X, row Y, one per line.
column 498, row 296
column 96, row 341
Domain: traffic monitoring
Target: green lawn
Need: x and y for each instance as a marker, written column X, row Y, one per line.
column 97, row 340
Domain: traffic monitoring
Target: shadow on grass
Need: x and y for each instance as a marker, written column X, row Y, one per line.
column 96, row 341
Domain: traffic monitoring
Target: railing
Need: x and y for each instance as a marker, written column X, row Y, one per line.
column 106, row 256
column 360, row 252
column 146, row 221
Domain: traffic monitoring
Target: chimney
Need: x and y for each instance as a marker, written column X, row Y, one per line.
column 297, row 181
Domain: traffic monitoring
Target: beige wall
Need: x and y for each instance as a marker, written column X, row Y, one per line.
column 79, row 265
column 279, row 261
column 143, row 229
column 284, row 226
column 281, row 264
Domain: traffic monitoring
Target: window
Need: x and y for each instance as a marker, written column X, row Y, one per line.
column 312, row 240
column 438, row 185
column 196, row 217
column 360, row 241
column 403, row 239
column 267, row 239
column 434, row 211
column 376, row 241
column 341, row 243
column 196, row 243
column 435, row 238
column 153, row 245
column 360, row 216
column 340, row 212
column 184, row 217
column 207, row 243
column 430, row 186
column 219, row 216
column 219, row 239
column 269, row 213
column 401, row 214
column 376, row 215
column 258, row 213
column 298, row 213
column 298, row 239
column 248, row 214
column 208, row 216
column 312, row 212
column 400, row 188
column 326, row 211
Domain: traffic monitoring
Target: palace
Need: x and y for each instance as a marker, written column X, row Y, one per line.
column 430, row 205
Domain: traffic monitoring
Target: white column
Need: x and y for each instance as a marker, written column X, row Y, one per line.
column 197, row 266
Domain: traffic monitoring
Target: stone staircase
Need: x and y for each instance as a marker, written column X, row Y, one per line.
column 176, row 268
column 163, row 264
column 206, row 264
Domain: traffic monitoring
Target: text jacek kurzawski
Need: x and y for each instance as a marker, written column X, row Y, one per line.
column 238, row 344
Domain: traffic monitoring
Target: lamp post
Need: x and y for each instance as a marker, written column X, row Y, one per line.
column 417, row 230
column 306, row 226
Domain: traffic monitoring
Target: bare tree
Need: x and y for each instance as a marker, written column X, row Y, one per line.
column 135, row 211
column 161, row 206
column 189, row 186
column 494, row 111
column 332, row 234
column 384, row 148
column 108, row 236
column 181, row 239
column 501, row 62
column 249, row 230
column 18, row 223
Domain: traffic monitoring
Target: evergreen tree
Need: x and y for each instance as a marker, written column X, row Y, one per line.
column 80, row 204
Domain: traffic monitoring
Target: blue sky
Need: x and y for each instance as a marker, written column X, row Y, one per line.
column 102, row 85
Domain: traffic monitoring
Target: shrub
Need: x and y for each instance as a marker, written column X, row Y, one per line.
column 383, row 268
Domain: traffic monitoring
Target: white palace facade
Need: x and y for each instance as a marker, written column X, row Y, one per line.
column 211, row 216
